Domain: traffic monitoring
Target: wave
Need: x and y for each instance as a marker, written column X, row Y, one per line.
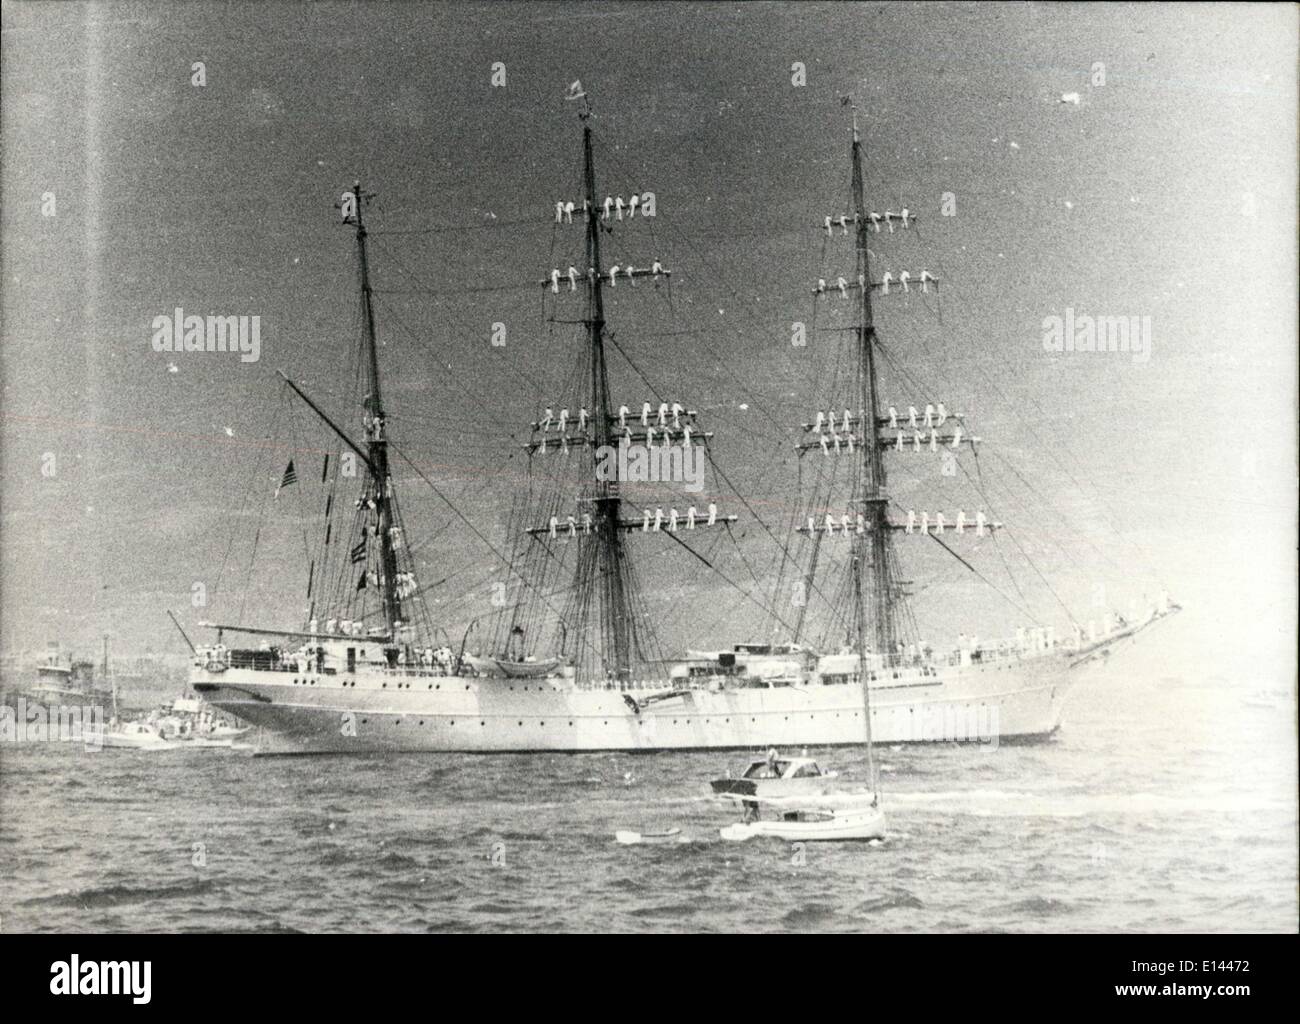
column 122, row 895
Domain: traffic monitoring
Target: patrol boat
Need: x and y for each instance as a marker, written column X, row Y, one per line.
column 574, row 664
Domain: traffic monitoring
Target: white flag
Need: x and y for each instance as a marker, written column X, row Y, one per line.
column 575, row 91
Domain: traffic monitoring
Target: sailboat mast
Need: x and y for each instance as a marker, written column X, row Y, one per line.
column 376, row 439
column 615, row 624
column 872, row 479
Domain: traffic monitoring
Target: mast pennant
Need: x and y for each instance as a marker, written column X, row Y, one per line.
column 290, row 477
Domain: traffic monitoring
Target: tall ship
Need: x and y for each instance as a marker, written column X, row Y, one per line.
column 573, row 662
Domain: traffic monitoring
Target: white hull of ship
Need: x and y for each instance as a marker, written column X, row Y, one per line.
column 381, row 711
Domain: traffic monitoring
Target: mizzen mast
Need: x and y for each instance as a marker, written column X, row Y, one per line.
column 378, row 491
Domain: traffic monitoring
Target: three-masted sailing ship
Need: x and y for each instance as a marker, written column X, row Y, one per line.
column 574, row 664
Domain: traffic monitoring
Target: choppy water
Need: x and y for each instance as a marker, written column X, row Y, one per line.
column 1163, row 804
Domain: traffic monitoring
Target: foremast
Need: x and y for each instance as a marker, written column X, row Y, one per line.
column 870, row 498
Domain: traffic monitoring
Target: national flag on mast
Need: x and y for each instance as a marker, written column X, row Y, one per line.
column 575, row 91
column 290, row 477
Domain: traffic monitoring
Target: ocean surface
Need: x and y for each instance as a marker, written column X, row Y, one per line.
column 1165, row 803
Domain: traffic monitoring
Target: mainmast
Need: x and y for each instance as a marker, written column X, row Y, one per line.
column 614, row 442
column 379, row 489
column 615, row 615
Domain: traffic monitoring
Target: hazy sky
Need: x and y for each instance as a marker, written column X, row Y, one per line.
column 1167, row 191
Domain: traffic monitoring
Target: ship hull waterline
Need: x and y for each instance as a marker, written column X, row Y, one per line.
column 376, row 712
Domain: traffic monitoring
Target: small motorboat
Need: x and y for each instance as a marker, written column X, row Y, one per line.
column 630, row 838
column 843, row 818
column 134, row 736
column 775, row 776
